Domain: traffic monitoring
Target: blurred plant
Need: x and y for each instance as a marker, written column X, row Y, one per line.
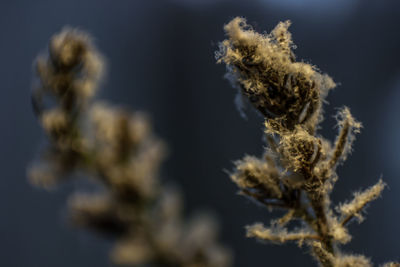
column 297, row 171
column 119, row 152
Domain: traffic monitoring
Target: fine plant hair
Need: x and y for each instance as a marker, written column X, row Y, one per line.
column 117, row 151
column 297, row 172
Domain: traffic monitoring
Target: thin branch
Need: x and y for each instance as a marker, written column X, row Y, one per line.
column 279, row 235
column 340, row 145
column 261, row 199
column 360, row 200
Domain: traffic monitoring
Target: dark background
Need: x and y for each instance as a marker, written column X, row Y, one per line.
column 160, row 58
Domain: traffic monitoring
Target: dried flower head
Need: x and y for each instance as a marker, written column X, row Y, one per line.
column 118, row 150
column 257, row 176
column 298, row 170
column 264, row 68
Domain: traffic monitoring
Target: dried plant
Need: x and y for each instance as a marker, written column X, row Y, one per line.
column 119, row 152
column 297, row 171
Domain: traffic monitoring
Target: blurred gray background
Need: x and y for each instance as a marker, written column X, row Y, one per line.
column 160, row 58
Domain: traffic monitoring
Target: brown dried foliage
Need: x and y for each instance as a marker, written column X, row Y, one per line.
column 118, row 151
column 297, row 171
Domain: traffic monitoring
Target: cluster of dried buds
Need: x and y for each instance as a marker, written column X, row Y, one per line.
column 121, row 155
column 297, row 171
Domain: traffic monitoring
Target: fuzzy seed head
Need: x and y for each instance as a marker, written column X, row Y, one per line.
column 264, row 68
